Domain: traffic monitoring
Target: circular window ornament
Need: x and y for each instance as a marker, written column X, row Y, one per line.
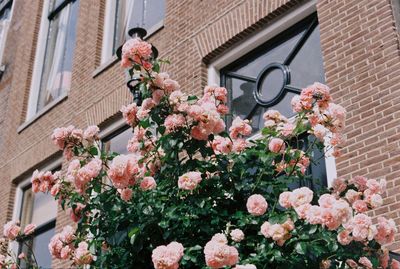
column 262, row 78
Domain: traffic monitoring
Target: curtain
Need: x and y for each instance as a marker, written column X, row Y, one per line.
column 54, row 81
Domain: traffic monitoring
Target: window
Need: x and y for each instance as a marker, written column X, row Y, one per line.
column 54, row 55
column 40, row 209
column 5, row 18
column 122, row 15
column 271, row 74
column 118, row 141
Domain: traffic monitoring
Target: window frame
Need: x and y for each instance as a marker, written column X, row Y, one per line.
column 32, row 112
column 251, row 44
column 19, row 196
column 107, row 56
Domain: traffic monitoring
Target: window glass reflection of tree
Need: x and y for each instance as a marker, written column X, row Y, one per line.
column 305, row 69
column 60, row 44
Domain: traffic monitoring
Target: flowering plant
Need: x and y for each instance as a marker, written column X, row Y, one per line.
column 192, row 195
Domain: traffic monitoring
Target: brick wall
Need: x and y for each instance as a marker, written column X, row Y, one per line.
column 361, row 59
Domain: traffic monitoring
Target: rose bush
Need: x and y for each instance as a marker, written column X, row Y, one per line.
column 192, row 195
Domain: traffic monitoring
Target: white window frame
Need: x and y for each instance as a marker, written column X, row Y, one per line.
column 108, row 32
column 19, row 194
column 255, row 41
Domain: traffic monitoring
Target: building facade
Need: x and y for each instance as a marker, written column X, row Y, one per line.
column 58, row 67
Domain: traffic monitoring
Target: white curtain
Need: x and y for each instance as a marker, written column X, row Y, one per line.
column 55, row 77
column 128, row 12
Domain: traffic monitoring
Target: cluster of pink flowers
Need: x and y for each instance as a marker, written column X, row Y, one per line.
column 167, row 257
column 136, row 51
column 44, row 181
column 140, row 143
column 325, row 118
column 240, row 127
column 129, row 113
column 256, row 205
column 81, row 175
column 189, row 181
column 278, row 232
column 219, row 254
column 61, row 244
column 365, row 194
column 68, row 137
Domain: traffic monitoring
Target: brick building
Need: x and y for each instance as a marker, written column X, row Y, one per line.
column 60, row 68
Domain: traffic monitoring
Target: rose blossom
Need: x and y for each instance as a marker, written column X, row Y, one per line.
column 91, row 133
column 395, row 264
column 221, row 145
column 11, row 229
column 339, row 185
column 126, row 194
column 239, row 127
column 284, row 199
column 386, row 230
column 82, row 254
column 218, row 254
column 360, row 206
column 360, row 182
column 148, row 183
column 167, row 257
column 344, row 237
column 122, row 171
column 301, row 196
column 352, row 196
column 173, row 122
column 276, row 145
column 365, row 261
column 189, row 181
column 29, row 229
column 256, row 205
column 351, row 263
column 129, row 113
column 237, row 235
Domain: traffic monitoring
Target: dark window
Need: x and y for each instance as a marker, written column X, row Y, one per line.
column 40, row 209
column 60, row 44
column 118, row 141
column 269, row 77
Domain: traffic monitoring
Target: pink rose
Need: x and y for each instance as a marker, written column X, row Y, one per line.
column 240, row 127
column 276, row 145
column 301, row 196
column 218, row 254
column 256, row 205
column 344, row 237
column 284, row 199
column 91, row 133
column 129, row 113
column 386, row 230
column 148, row 183
column 82, row 254
column 237, row 235
column 123, row 170
column 174, row 122
column 11, row 230
column 126, row 194
column 360, row 206
column 189, row 181
column 29, row 229
column 222, row 145
column 365, row 261
column 395, row 264
column 339, row 185
column 351, row 263
column 167, row 257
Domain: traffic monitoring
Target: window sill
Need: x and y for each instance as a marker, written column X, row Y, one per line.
column 43, row 111
column 104, row 66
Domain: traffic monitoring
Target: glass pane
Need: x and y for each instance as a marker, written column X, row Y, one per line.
column 119, row 142
column 56, row 75
column 253, row 64
column 154, row 12
column 44, row 208
column 48, row 91
column 120, row 23
column 54, row 4
column 307, row 66
column 41, row 250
